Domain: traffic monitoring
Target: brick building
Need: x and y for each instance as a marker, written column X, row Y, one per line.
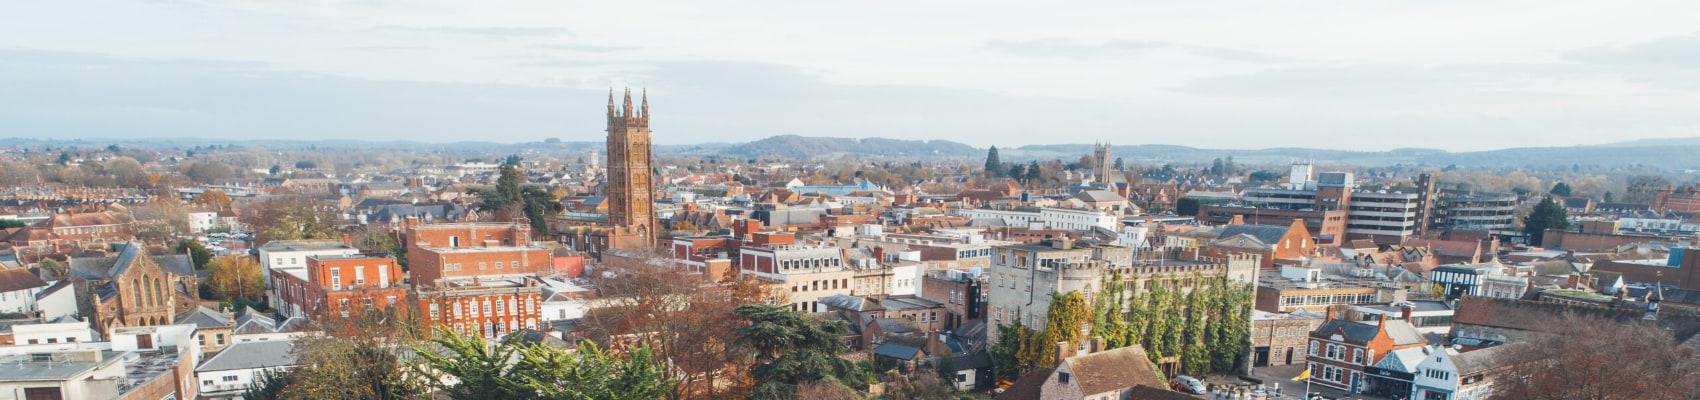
column 488, row 307
column 468, row 250
column 1340, row 350
column 339, row 286
column 1276, row 244
column 962, row 293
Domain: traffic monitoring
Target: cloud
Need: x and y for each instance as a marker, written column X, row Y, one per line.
column 588, row 48
column 1671, row 51
column 485, row 31
column 1121, row 48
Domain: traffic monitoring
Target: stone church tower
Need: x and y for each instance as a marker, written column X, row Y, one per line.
column 631, row 184
column 1101, row 157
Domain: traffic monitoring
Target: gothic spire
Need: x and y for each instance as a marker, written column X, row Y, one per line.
column 628, row 103
column 610, row 102
column 645, row 111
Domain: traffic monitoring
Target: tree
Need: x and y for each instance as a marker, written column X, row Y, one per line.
column 791, row 348
column 1033, row 172
column 694, row 327
column 590, row 373
column 213, row 198
column 1011, row 338
column 1643, row 189
column 160, row 220
column 1216, row 168
column 1063, row 321
column 994, row 166
column 125, row 172
column 1018, row 171
column 1607, row 198
column 197, row 253
column 268, row 386
column 208, row 172
column 1187, row 206
column 1119, row 165
column 290, row 217
column 918, row 386
column 232, row 278
column 345, row 366
column 477, row 371
column 1560, row 189
column 381, row 243
column 53, row 265
column 1592, row 357
column 306, row 164
column 1546, row 215
column 6, row 223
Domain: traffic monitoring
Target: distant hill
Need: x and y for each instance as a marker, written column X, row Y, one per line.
column 799, row 147
column 1679, row 153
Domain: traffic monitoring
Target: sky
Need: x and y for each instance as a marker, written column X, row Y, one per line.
column 1458, row 75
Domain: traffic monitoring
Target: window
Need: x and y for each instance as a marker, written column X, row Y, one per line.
column 220, row 339
column 207, row 382
column 229, row 378
column 336, row 279
column 203, row 338
column 344, row 305
column 1357, row 356
column 457, row 310
column 1313, row 345
column 367, row 302
column 433, row 311
column 480, row 265
column 486, row 307
column 1062, row 377
column 499, row 309
column 359, row 276
column 498, row 265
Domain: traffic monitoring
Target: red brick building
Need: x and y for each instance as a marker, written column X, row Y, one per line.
column 470, row 250
column 341, row 286
column 1340, row 350
column 1278, row 245
column 490, row 308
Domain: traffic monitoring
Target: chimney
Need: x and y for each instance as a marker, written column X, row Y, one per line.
column 346, row 242
column 1382, row 322
column 1238, row 219
column 1062, row 352
column 1328, row 314
column 1405, row 312
column 1097, row 344
column 879, row 254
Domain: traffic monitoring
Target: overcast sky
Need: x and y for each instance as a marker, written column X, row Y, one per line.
column 1455, row 75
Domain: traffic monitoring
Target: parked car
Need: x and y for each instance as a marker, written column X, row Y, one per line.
column 1187, row 384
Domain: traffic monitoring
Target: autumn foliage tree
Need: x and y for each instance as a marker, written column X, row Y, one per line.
column 233, row 278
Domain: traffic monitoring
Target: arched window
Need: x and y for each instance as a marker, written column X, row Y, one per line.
column 158, row 292
column 136, row 291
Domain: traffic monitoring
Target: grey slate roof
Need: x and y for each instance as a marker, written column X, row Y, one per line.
column 852, row 303
column 1400, row 331
column 896, row 351
column 204, row 318
column 1099, row 196
column 245, row 355
column 1471, row 362
column 895, row 325
column 1268, row 234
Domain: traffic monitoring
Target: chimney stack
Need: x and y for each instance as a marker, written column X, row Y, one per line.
column 1097, row 344
column 346, row 241
column 1062, row 352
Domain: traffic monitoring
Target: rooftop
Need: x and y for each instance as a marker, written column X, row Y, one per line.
column 20, row 367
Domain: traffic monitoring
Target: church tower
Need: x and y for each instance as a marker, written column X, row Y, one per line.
column 631, row 184
column 1101, row 157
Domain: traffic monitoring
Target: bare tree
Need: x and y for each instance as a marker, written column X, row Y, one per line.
column 1588, row 357
column 686, row 317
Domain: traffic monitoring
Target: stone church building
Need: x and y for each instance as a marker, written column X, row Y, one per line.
column 134, row 288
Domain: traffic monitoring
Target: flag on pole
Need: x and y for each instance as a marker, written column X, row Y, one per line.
column 1302, row 376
